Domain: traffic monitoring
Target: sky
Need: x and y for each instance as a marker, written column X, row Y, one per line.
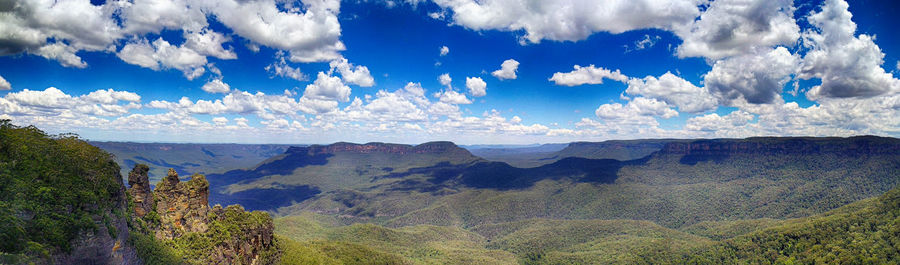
column 472, row 72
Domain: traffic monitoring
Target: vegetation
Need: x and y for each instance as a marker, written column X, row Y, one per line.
column 866, row 232
column 52, row 188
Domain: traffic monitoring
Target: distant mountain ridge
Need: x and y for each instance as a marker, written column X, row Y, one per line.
column 376, row 147
column 786, row 145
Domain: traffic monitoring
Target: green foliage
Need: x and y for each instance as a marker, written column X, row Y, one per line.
column 866, row 232
column 231, row 227
column 51, row 188
column 152, row 251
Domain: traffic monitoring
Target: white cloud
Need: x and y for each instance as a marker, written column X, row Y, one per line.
column 145, row 16
column 756, row 77
column 282, row 69
column 4, row 85
column 587, row 75
column 110, row 96
column 639, row 106
column 570, row 20
column 673, row 90
column 74, row 25
column 220, row 120
column 310, row 34
column 65, row 54
column 453, row 97
column 351, row 74
column 160, row 55
column 645, row 43
column 327, row 88
column 216, row 86
column 507, row 70
column 476, row 86
column 714, row 123
column 48, row 98
column 58, row 30
column 53, row 103
column 209, row 43
column 444, row 50
column 734, row 27
column 848, row 66
column 637, row 117
column 445, row 79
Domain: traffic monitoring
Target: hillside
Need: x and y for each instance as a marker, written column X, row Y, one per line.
column 684, row 183
column 303, row 172
column 62, row 201
column 188, row 158
column 865, row 232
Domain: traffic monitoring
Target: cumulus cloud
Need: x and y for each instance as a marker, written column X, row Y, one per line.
column 445, row 80
column 640, row 106
column 734, row 27
column 673, row 90
column 4, row 85
column 220, row 121
column 714, row 123
column 58, row 30
column 327, row 87
column 351, row 74
column 847, row 65
column 476, row 86
column 209, row 43
column 310, row 34
column 756, row 77
column 587, row 75
column 453, row 97
column 76, row 25
column 570, row 20
column 216, row 86
column 144, row 16
column 444, row 50
column 507, row 70
column 53, row 103
column 62, row 53
column 162, row 55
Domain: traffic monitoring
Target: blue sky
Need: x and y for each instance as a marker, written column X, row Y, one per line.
column 326, row 71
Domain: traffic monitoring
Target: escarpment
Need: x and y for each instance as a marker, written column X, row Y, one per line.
column 178, row 212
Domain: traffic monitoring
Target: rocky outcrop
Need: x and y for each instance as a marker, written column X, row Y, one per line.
column 228, row 235
column 140, row 192
column 182, row 206
column 254, row 237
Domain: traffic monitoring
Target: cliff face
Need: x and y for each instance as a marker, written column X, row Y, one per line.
column 226, row 235
column 106, row 245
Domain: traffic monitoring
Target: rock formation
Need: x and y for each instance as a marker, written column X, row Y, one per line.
column 182, row 206
column 140, row 190
column 183, row 212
